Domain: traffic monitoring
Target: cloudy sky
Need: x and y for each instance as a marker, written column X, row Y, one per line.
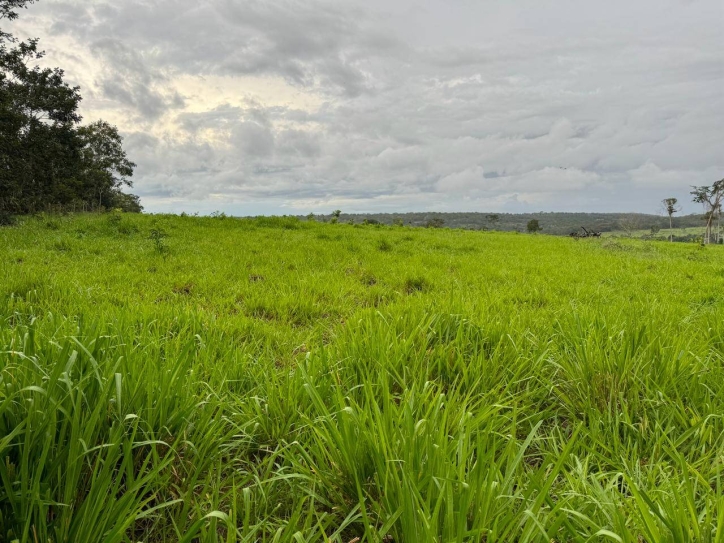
column 255, row 107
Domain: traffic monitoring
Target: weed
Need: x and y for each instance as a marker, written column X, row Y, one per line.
column 62, row 245
column 384, row 245
column 158, row 236
column 416, row 284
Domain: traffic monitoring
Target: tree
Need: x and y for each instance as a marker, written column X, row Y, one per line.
column 671, row 206
column 130, row 203
column 7, row 8
column 436, row 222
column 46, row 160
column 534, row 226
column 629, row 224
column 105, row 169
column 493, row 218
column 711, row 198
column 38, row 143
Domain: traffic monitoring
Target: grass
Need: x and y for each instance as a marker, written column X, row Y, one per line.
column 213, row 379
column 692, row 234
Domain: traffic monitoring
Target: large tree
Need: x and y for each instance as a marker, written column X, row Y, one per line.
column 105, row 168
column 46, row 159
column 38, row 141
column 711, row 198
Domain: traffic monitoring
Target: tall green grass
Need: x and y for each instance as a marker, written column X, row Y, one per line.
column 276, row 380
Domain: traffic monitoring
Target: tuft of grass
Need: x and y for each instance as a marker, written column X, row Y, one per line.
column 416, row 284
column 384, row 245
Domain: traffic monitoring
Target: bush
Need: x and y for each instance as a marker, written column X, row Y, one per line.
column 6, row 219
column 157, row 236
column 384, row 245
column 129, row 203
column 416, row 284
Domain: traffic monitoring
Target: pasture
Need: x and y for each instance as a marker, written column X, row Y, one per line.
column 167, row 378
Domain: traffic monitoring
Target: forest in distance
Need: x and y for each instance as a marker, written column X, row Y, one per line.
column 554, row 223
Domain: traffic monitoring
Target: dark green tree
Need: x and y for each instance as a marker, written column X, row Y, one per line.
column 38, row 114
column 105, row 168
column 46, row 160
column 534, row 226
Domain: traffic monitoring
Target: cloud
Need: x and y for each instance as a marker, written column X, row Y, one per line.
column 290, row 104
column 126, row 80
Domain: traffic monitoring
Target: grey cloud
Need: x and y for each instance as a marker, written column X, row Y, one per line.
column 311, row 44
column 447, row 105
column 253, row 139
column 298, row 142
column 128, row 80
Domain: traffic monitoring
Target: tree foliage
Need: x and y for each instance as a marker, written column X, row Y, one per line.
column 711, row 198
column 533, row 226
column 671, row 206
column 47, row 159
column 8, row 8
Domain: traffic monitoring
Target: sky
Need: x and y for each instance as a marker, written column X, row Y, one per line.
column 290, row 107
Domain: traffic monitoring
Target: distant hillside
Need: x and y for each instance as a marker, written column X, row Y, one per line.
column 552, row 223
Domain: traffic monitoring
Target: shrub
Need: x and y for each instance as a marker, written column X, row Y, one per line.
column 384, row 245
column 114, row 217
column 6, row 219
column 157, row 236
column 416, row 284
column 129, row 203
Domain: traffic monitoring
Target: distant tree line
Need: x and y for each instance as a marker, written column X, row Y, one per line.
column 572, row 224
column 48, row 159
column 554, row 223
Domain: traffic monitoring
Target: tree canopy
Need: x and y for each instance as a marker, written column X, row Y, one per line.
column 48, row 160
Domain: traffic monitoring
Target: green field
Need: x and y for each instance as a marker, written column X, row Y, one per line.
column 188, row 379
column 693, row 234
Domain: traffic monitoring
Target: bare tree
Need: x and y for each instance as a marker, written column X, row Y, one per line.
column 711, row 198
column 629, row 224
column 671, row 206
